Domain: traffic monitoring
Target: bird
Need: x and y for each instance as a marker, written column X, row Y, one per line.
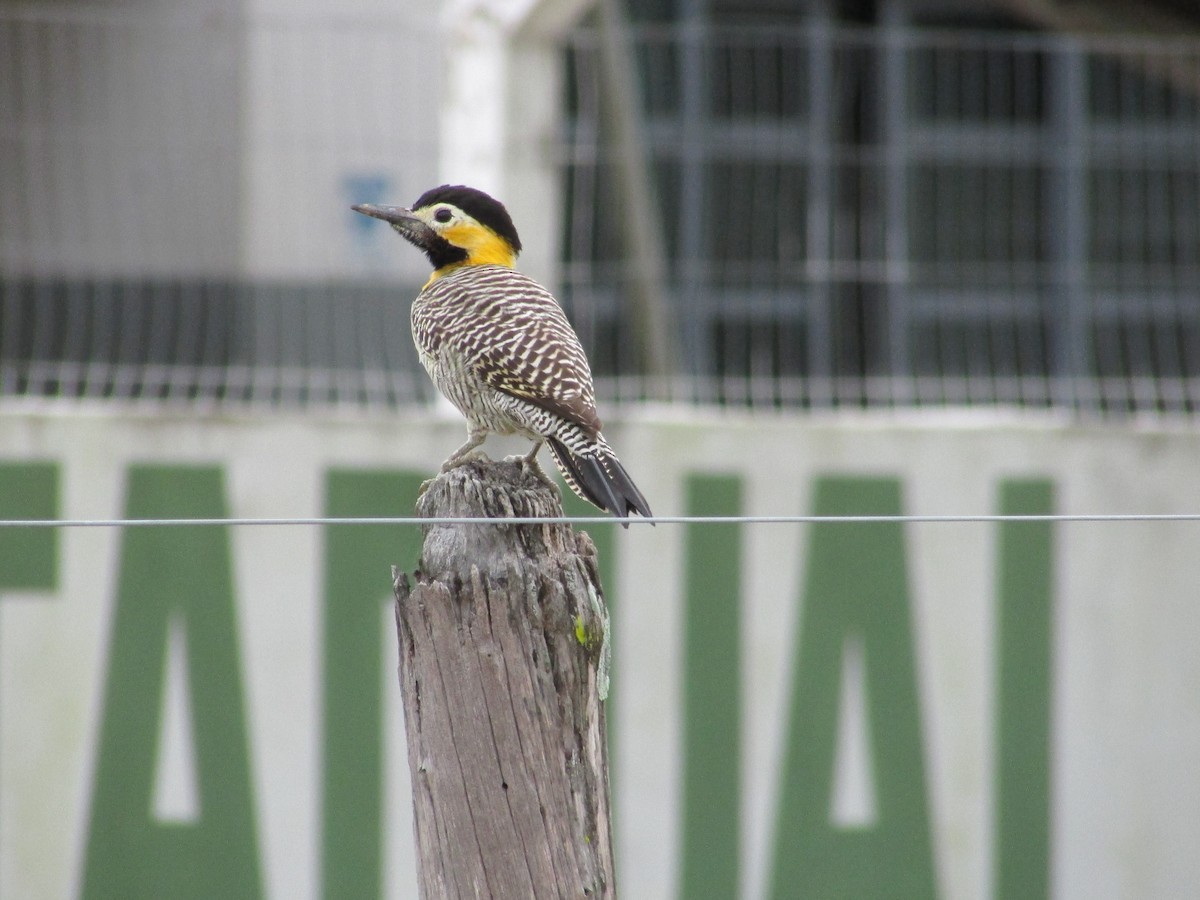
column 499, row 347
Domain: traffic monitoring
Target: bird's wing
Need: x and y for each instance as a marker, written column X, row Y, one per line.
column 565, row 394
column 530, row 349
column 539, row 359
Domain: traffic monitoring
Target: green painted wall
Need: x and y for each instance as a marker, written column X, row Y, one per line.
column 1024, row 716
column 357, row 579
column 856, row 587
column 856, row 590
column 710, row 817
column 29, row 556
column 182, row 574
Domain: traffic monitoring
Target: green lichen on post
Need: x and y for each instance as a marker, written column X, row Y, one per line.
column 581, row 634
column 590, row 640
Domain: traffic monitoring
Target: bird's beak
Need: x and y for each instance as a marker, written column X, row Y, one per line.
column 401, row 219
column 392, row 214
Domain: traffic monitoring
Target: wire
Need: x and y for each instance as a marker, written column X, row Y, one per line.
column 606, row 520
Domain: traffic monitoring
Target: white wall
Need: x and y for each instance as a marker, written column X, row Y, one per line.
column 501, row 112
column 1126, row 712
column 232, row 137
column 341, row 106
column 121, row 134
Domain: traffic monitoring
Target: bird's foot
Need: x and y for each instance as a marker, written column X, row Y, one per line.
column 462, row 459
column 529, row 463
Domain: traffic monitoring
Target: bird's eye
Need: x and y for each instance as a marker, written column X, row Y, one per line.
column 443, row 215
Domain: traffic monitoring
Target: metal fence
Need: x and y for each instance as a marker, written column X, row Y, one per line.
column 851, row 217
column 904, row 216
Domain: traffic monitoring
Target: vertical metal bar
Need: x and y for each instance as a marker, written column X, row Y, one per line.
column 894, row 90
column 819, row 318
column 1066, row 226
column 648, row 309
column 693, row 118
column 579, row 274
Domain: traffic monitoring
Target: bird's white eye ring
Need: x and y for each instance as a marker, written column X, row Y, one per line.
column 443, row 214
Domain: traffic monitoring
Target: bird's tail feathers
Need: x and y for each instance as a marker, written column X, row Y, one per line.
column 599, row 478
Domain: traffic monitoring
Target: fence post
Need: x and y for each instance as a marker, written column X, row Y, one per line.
column 503, row 669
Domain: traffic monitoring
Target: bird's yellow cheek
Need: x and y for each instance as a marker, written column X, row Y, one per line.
column 483, row 245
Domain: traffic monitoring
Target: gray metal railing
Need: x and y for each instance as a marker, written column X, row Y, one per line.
column 900, row 216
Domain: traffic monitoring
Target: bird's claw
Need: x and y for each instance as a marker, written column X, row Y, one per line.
column 455, row 461
column 530, row 464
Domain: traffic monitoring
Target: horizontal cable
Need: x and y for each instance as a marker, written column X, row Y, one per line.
column 607, row 520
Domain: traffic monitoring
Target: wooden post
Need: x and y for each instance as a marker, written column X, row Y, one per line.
column 503, row 667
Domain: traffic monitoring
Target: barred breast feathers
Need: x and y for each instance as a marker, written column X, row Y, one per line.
column 513, row 334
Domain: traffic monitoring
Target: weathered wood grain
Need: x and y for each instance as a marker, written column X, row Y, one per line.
column 501, row 631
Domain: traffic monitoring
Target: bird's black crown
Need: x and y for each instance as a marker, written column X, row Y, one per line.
column 484, row 209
